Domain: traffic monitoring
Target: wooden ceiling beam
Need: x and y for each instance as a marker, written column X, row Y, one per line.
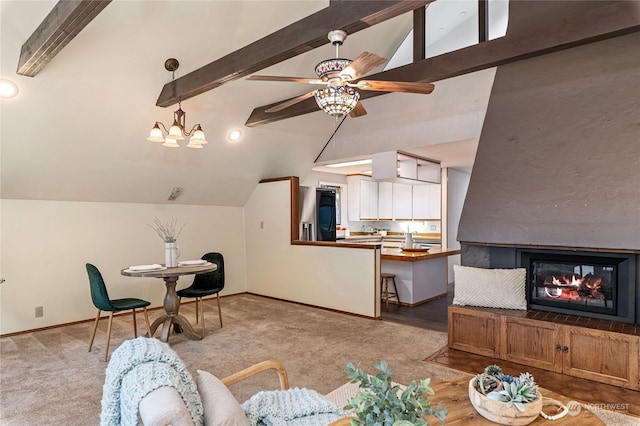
column 62, row 24
column 292, row 40
column 594, row 25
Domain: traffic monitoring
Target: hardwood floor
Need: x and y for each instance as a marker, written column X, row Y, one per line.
column 625, row 401
column 433, row 316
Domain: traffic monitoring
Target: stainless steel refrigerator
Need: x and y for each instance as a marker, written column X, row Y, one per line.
column 317, row 214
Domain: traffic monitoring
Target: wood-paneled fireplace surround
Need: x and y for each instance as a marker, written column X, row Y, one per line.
column 591, row 344
column 555, row 188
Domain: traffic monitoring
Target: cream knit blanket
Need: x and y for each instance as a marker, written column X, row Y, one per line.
column 138, row 367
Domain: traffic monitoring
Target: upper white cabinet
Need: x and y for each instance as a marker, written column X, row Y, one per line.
column 371, row 200
column 386, row 206
column 402, row 167
column 426, row 202
column 368, row 199
column 362, row 198
column 402, row 201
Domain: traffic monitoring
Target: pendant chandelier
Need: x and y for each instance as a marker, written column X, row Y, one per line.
column 177, row 130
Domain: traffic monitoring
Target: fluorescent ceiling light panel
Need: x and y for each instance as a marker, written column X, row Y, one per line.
column 350, row 163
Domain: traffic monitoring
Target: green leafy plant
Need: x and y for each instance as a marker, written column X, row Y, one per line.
column 166, row 231
column 380, row 402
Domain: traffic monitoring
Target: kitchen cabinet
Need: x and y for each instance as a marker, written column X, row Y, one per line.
column 372, row 200
column 426, row 202
column 363, row 198
column 368, row 200
column 402, row 167
column 599, row 355
column 402, row 201
column 385, row 200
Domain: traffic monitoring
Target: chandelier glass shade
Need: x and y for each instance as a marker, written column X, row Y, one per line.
column 338, row 100
column 177, row 131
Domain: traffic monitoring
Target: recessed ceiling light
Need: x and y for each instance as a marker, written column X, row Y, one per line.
column 234, row 135
column 350, row 163
column 8, row 89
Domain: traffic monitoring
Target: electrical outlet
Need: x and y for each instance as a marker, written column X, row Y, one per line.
column 433, row 227
column 39, row 311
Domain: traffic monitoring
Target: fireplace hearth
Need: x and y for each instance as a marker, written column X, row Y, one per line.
column 598, row 285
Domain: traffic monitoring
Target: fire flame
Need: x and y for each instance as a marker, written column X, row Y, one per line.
column 586, row 287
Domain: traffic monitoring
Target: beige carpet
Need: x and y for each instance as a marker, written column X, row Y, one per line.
column 49, row 378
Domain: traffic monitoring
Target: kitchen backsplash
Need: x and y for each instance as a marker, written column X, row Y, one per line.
column 430, row 226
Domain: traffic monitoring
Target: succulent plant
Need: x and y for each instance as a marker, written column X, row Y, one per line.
column 493, row 370
column 520, row 390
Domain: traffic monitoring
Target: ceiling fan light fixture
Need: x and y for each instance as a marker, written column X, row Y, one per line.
column 331, row 67
column 337, row 101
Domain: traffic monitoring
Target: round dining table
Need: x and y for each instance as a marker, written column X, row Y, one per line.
column 171, row 299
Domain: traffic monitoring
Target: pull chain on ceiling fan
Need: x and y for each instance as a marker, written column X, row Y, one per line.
column 339, row 96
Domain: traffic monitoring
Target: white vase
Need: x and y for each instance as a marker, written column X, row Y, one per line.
column 171, row 255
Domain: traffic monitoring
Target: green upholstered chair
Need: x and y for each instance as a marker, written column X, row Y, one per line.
column 206, row 285
column 101, row 300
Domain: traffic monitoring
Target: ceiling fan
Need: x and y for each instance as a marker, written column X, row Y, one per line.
column 340, row 78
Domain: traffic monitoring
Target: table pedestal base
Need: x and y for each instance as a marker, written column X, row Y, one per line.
column 171, row 305
column 168, row 320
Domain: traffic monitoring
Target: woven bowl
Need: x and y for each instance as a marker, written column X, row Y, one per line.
column 497, row 411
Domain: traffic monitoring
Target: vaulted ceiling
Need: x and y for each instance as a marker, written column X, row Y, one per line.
column 77, row 130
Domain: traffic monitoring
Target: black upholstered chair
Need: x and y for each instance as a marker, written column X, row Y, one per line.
column 206, row 285
column 101, row 300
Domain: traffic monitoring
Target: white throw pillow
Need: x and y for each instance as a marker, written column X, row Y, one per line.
column 220, row 406
column 491, row 288
column 164, row 406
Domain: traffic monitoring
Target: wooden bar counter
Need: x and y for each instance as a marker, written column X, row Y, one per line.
column 421, row 276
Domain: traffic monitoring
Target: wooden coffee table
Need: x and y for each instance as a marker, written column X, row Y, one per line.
column 454, row 394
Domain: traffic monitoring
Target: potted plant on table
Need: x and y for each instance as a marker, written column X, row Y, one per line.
column 505, row 399
column 381, row 402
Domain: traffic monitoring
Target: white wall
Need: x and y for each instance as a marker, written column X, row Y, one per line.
column 345, row 279
column 45, row 245
column 458, row 182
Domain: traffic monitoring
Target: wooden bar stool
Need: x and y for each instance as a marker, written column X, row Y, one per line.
column 384, row 288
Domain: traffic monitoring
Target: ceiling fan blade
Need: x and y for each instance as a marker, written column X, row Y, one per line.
column 358, row 111
column 362, row 65
column 286, row 79
column 395, row 86
column 290, row 102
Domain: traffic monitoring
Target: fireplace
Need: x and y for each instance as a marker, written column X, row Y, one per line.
column 598, row 285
